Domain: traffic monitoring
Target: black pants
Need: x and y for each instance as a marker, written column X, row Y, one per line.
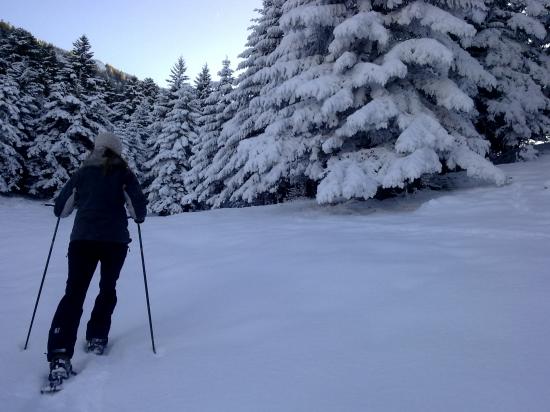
column 83, row 258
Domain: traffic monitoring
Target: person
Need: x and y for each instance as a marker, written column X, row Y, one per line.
column 99, row 191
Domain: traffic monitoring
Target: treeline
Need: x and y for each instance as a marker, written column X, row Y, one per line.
column 52, row 104
column 334, row 100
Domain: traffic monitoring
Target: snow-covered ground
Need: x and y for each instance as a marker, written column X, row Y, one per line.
column 437, row 302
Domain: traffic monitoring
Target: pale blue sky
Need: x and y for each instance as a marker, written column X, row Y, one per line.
column 142, row 37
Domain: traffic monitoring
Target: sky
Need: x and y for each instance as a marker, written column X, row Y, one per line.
column 142, row 37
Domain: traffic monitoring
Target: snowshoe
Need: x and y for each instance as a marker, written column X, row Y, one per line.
column 60, row 369
column 96, row 345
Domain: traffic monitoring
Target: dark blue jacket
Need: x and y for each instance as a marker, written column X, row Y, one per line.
column 99, row 197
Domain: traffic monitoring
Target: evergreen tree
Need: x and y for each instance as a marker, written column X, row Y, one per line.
column 203, row 85
column 368, row 95
column 59, row 147
column 214, row 114
column 136, row 132
column 129, row 99
column 134, row 138
column 21, row 69
column 411, row 112
column 74, row 113
column 158, row 115
column 510, row 45
column 27, row 68
column 83, row 65
column 171, row 148
column 178, row 75
column 149, row 90
column 49, row 67
column 269, row 155
column 245, row 121
column 11, row 161
column 134, row 129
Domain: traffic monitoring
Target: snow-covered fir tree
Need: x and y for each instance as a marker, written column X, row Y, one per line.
column 11, row 137
column 264, row 38
column 171, row 148
column 368, row 95
column 134, row 135
column 273, row 156
column 408, row 101
column 135, row 130
column 58, row 148
column 129, row 124
column 203, row 86
column 129, row 98
column 510, row 45
column 160, row 108
column 23, row 67
column 27, row 67
column 73, row 114
column 149, row 90
column 90, row 88
column 213, row 115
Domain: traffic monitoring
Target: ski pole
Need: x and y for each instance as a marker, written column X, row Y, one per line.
column 146, row 289
column 42, row 283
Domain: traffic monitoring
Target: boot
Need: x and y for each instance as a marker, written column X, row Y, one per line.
column 60, row 368
column 97, row 345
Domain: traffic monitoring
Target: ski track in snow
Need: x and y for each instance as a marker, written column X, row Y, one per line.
column 437, row 301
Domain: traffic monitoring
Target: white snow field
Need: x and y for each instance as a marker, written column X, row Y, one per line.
column 435, row 302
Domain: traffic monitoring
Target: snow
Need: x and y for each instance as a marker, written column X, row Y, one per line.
column 421, row 51
column 423, row 131
column 373, row 115
column 528, row 24
column 436, row 301
column 309, row 15
column 413, row 166
column 365, row 25
column 447, row 94
column 437, row 19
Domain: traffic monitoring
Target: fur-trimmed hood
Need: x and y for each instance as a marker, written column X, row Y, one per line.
column 98, row 158
column 108, row 140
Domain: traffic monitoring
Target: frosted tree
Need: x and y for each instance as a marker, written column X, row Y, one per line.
column 134, row 137
column 90, row 88
column 25, row 64
column 263, row 39
column 49, row 66
column 20, row 94
column 59, row 147
column 171, row 149
column 149, row 90
column 130, row 125
column 411, row 103
column 136, row 131
column 509, row 45
column 73, row 114
column 214, row 114
column 11, row 136
column 178, row 75
column 368, row 95
column 129, row 99
column 160, row 109
column 404, row 109
column 203, row 86
column 22, row 67
column 273, row 157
